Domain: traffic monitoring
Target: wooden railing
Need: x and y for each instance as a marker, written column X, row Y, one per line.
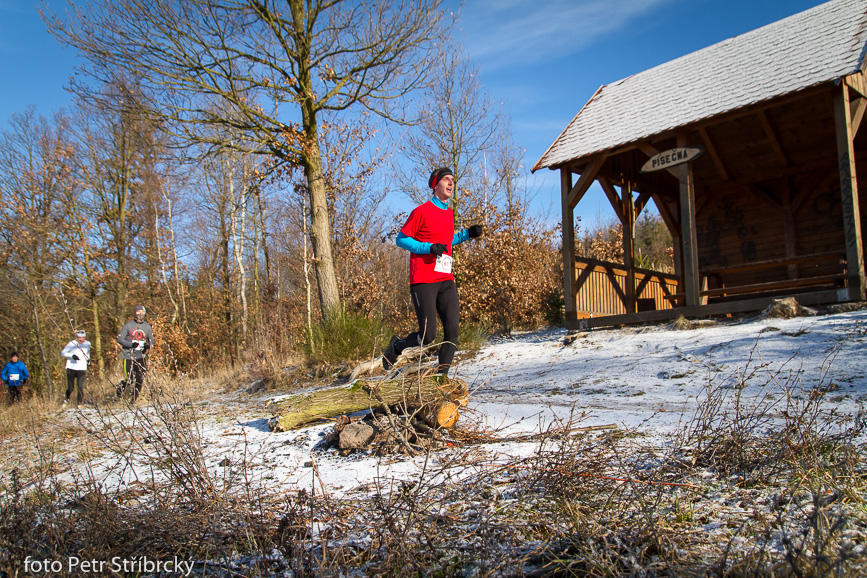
column 601, row 288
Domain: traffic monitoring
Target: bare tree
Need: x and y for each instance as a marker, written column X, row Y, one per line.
column 458, row 129
column 216, row 206
column 509, row 185
column 241, row 191
column 113, row 168
column 36, row 166
column 84, row 249
column 250, row 58
column 165, row 235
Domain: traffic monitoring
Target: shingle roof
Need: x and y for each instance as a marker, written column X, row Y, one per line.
column 818, row 45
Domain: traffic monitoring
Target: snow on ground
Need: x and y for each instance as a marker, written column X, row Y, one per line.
column 651, row 376
column 647, row 378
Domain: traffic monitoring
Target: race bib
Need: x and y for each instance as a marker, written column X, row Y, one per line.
column 443, row 264
column 14, row 377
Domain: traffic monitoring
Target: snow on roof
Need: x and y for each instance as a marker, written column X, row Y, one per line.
column 818, row 45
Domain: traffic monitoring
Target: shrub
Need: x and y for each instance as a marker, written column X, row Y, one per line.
column 504, row 278
column 346, row 337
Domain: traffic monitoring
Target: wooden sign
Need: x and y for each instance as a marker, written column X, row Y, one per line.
column 672, row 157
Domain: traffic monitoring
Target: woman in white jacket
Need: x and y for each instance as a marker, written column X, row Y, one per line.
column 77, row 354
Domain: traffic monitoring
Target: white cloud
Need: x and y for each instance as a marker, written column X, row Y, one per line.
column 503, row 32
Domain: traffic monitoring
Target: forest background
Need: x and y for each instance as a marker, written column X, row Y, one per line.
column 228, row 164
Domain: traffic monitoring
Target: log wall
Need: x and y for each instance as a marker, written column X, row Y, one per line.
column 781, row 197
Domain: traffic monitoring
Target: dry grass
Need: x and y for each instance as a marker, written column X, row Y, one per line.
column 16, row 417
column 764, row 479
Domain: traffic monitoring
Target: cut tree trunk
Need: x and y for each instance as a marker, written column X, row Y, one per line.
column 444, row 414
column 436, row 397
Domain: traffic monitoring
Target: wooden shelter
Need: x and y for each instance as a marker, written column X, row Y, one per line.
column 771, row 208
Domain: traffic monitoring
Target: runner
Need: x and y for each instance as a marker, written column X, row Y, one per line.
column 15, row 375
column 429, row 235
column 136, row 337
column 77, row 354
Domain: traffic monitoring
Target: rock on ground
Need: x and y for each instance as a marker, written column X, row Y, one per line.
column 787, row 308
column 355, row 436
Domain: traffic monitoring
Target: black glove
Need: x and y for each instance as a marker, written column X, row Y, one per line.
column 437, row 249
column 476, row 231
column 74, row 357
column 136, row 345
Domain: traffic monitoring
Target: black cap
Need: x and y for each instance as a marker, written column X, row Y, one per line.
column 14, row 354
column 437, row 175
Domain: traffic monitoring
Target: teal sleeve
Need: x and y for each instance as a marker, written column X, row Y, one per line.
column 412, row 245
column 460, row 237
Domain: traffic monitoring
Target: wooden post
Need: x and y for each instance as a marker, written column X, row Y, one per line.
column 849, row 193
column 689, row 237
column 568, row 222
column 628, row 210
column 570, row 197
column 670, row 218
column 789, row 225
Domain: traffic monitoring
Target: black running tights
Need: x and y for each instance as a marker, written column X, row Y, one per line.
column 432, row 300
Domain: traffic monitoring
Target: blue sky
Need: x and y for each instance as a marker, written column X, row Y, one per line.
column 543, row 59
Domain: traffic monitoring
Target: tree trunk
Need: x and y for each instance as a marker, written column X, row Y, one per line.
column 40, row 342
column 239, row 231
column 227, row 284
column 320, row 227
column 433, row 396
column 178, row 285
column 257, row 290
column 263, row 220
column 320, row 224
column 307, row 278
column 94, row 310
column 162, row 266
column 97, row 338
column 121, row 238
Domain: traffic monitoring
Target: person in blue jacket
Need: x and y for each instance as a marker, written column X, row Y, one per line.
column 15, row 375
